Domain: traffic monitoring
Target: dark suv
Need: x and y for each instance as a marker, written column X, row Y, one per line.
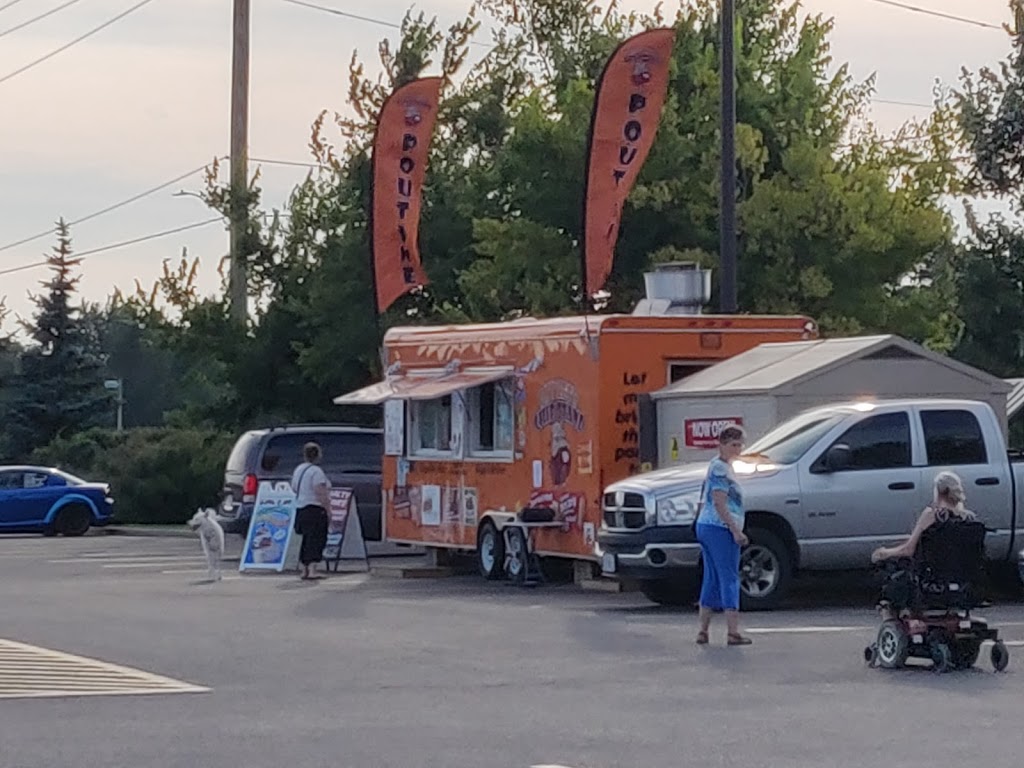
column 351, row 459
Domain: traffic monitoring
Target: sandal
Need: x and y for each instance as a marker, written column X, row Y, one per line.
column 702, row 638
column 739, row 640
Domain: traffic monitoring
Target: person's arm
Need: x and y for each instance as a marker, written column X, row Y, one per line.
column 720, row 501
column 321, row 487
column 909, row 547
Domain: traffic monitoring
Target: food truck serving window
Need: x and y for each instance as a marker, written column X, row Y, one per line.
column 489, row 419
column 431, row 422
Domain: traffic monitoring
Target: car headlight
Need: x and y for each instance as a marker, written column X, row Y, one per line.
column 680, row 509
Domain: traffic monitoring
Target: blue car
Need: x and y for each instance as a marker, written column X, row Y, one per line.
column 48, row 501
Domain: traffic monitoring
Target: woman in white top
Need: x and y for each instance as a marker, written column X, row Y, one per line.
column 312, row 500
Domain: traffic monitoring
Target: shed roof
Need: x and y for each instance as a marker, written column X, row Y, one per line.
column 782, row 365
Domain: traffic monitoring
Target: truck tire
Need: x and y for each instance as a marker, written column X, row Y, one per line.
column 674, row 591
column 490, row 551
column 766, row 570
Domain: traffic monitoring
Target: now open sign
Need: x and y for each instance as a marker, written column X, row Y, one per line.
column 703, row 433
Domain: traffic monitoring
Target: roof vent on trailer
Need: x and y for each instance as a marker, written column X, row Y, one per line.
column 675, row 288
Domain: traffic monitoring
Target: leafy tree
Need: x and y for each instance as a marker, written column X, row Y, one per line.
column 989, row 267
column 59, row 387
column 835, row 221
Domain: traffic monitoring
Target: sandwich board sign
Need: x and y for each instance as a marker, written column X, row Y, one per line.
column 269, row 538
column 345, row 535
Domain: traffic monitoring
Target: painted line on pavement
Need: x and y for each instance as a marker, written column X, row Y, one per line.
column 864, row 628
column 164, row 559
column 199, row 571
column 804, row 630
column 148, row 565
column 28, row 671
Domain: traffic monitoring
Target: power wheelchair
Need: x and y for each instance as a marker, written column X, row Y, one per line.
column 926, row 603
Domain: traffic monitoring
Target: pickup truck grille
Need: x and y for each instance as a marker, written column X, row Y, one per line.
column 624, row 510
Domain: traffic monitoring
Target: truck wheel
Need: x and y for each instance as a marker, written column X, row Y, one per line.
column 766, row 569
column 675, row 591
column 490, row 551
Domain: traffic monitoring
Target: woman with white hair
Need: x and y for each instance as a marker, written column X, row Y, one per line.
column 948, row 504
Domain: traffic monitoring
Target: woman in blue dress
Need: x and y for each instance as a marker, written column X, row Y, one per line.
column 721, row 537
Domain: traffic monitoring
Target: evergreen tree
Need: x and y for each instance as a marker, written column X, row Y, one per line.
column 9, row 350
column 59, row 387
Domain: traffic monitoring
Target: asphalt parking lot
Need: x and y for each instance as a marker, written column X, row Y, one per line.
column 112, row 653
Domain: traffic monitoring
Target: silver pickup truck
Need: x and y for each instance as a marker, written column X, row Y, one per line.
column 822, row 491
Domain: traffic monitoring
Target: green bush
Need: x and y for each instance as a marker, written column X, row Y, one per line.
column 156, row 475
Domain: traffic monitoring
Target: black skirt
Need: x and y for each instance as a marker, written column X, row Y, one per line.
column 311, row 523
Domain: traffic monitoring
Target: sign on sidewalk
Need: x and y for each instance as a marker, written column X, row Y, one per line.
column 345, row 535
column 270, row 529
column 271, row 543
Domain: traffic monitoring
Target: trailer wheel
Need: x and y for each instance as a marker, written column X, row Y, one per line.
column 490, row 551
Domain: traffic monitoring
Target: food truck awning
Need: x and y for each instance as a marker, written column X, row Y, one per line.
column 421, row 387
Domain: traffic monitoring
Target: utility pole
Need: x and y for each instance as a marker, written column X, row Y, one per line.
column 237, row 278
column 728, row 300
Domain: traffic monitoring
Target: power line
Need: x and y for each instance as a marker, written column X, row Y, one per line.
column 367, row 19
column 24, row 24
column 346, row 14
column 295, row 163
column 8, row 5
column 902, row 103
column 77, row 40
column 109, row 208
column 393, row 25
column 113, row 246
column 938, row 14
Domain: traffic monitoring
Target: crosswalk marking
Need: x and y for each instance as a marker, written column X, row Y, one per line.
column 28, row 671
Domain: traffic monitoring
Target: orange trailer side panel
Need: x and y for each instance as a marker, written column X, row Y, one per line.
column 555, row 440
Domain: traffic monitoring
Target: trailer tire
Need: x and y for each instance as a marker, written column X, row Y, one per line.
column 490, row 551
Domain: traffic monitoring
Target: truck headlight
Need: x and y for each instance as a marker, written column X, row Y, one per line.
column 680, row 509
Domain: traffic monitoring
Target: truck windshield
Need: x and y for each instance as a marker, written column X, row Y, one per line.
column 789, row 441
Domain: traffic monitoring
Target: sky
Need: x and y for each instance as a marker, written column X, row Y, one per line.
column 147, row 99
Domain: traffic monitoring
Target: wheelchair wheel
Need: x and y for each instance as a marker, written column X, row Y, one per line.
column 965, row 653
column 1000, row 656
column 942, row 658
column 893, row 645
column 871, row 655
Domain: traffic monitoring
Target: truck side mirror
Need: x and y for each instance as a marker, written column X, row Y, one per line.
column 838, row 457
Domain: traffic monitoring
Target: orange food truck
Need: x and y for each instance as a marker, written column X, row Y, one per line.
column 500, row 438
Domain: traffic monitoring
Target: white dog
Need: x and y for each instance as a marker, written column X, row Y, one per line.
column 212, row 537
